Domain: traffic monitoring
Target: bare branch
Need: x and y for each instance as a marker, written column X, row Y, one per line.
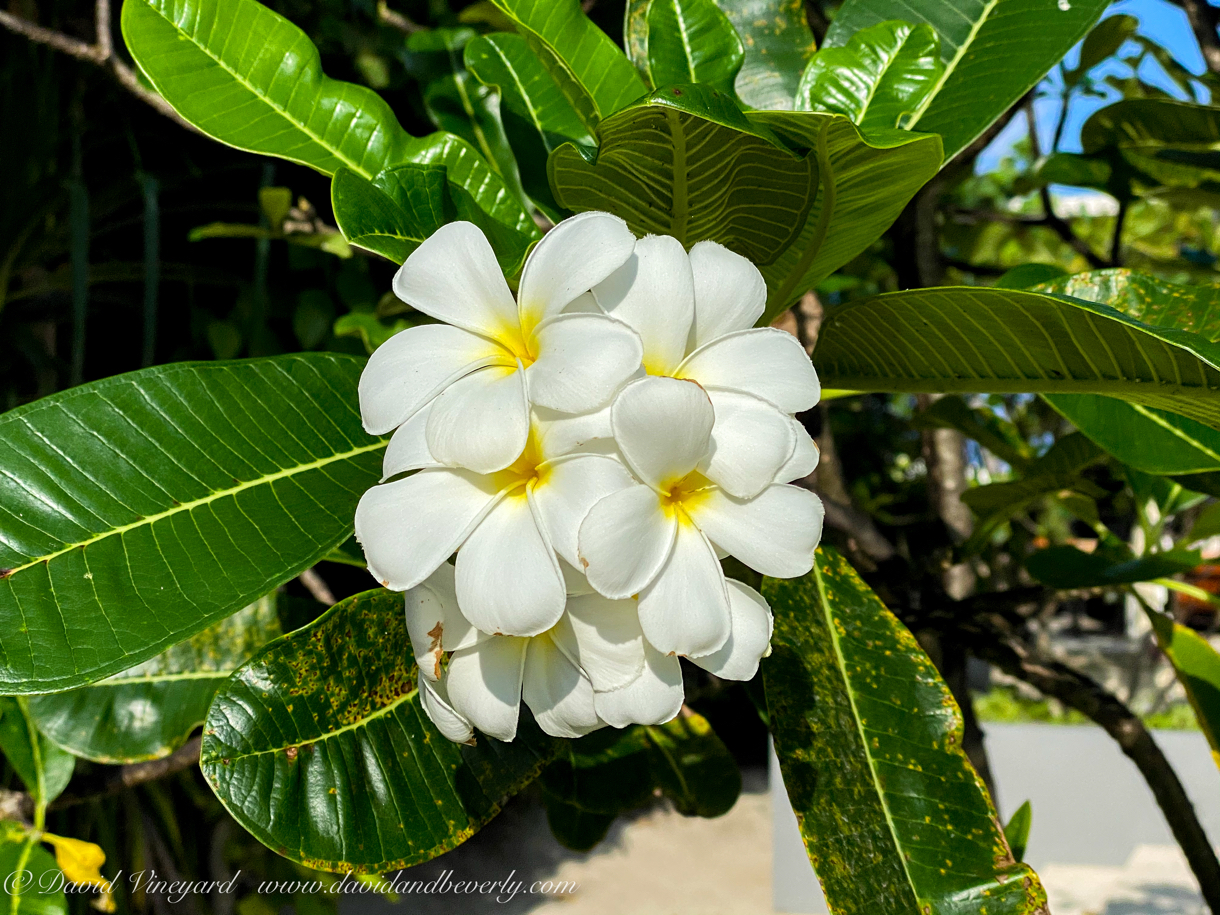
column 112, row 781
column 57, row 40
column 1204, row 20
column 317, row 587
column 395, row 19
column 101, row 19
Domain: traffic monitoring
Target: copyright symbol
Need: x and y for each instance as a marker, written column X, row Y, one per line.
column 17, row 881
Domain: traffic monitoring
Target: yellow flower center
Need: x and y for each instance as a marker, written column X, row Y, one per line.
column 680, row 496
column 530, row 469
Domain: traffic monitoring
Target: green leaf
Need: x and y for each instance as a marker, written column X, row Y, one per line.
column 998, row 436
column 606, row 772
column 44, row 767
column 1171, row 143
column 395, row 218
column 693, row 767
column 1028, row 275
column 39, row 891
column 869, row 739
column 1009, row 341
column 1101, row 43
column 149, row 711
column 1154, row 441
column 676, row 42
column 778, row 45
column 1016, row 830
column 878, row 78
column 250, row 78
column 574, row 827
column 1068, row 568
column 319, row 747
column 143, row 508
column 593, row 74
column 993, row 51
column 687, row 163
column 1076, row 170
column 537, row 118
column 1206, row 525
column 866, row 179
column 1197, row 666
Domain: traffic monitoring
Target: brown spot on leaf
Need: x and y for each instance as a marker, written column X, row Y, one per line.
column 5, row 573
column 291, row 753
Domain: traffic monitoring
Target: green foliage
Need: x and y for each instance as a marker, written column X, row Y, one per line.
column 1068, row 567
column 993, row 53
column 182, row 493
column 778, row 45
column 37, row 892
column 1016, row 830
column 878, row 79
column 43, row 767
column 676, row 42
column 1197, row 666
column 150, row 710
column 869, row 742
column 293, row 739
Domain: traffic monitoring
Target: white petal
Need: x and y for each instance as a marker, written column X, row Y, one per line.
column 408, row 448
column 484, row 684
column 585, row 303
column 508, row 579
column 751, row 440
column 409, row 527
column 569, row 487
column 481, row 422
column 624, row 541
column 686, row 608
column 654, row 697
column 453, row 276
column 560, row 697
column 663, row 428
column 654, row 292
column 766, row 362
column 603, row 638
column 750, row 640
column 804, row 458
column 415, row 365
column 570, row 260
column 574, row 582
column 582, row 360
column 774, row 533
column 448, row 721
column 730, row 293
column 564, row 433
column 434, row 622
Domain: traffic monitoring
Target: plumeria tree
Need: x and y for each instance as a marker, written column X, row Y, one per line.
column 576, row 459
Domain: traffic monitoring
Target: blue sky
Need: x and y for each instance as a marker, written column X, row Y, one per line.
column 1160, row 21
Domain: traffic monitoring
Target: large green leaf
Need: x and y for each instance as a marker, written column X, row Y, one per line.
column 139, row 510
column 1168, row 142
column 149, row 711
column 250, row 78
column 319, row 747
column 693, row 767
column 675, row 42
column 43, row 767
column 778, row 44
column 592, row 72
column 866, row 179
column 869, row 741
column 37, row 891
column 687, row 163
column 878, row 78
column 994, row 52
column 1067, row 567
column 1006, row 340
column 1154, row 441
column 1197, row 665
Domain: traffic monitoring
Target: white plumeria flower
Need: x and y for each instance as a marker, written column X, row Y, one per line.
column 695, row 314
column 592, row 668
column 494, row 357
column 658, row 538
column 506, row 527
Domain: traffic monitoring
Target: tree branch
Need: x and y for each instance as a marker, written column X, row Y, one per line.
column 395, row 19
column 992, row 639
column 111, row 781
column 1204, row 21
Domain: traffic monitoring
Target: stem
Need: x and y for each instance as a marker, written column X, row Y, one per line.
column 152, row 266
column 1117, row 242
column 1050, row 218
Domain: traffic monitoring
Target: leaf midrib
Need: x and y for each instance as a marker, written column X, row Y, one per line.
column 951, row 65
column 149, row 520
column 282, row 112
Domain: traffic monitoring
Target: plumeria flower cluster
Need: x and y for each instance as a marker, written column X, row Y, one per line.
column 586, row 454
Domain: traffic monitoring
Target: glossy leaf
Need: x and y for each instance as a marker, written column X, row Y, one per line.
column 866, row 179
column 993, row 52
column 868, row 736
column 592, row 72
column 319, row 747
column 688, row 163
column 1007, row 341
column 692, row 767
column 1016, row 830
column 150, row 710
column 778, row 45
column 1169, row 142
column 37, row 891
column 250, row 78
column 392, row 223
column 1154, row 441
column 144, row 508
column 43, row 767
column 877, row 78
column 1197, row 665
column 675, row 42
column 1067, row 567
